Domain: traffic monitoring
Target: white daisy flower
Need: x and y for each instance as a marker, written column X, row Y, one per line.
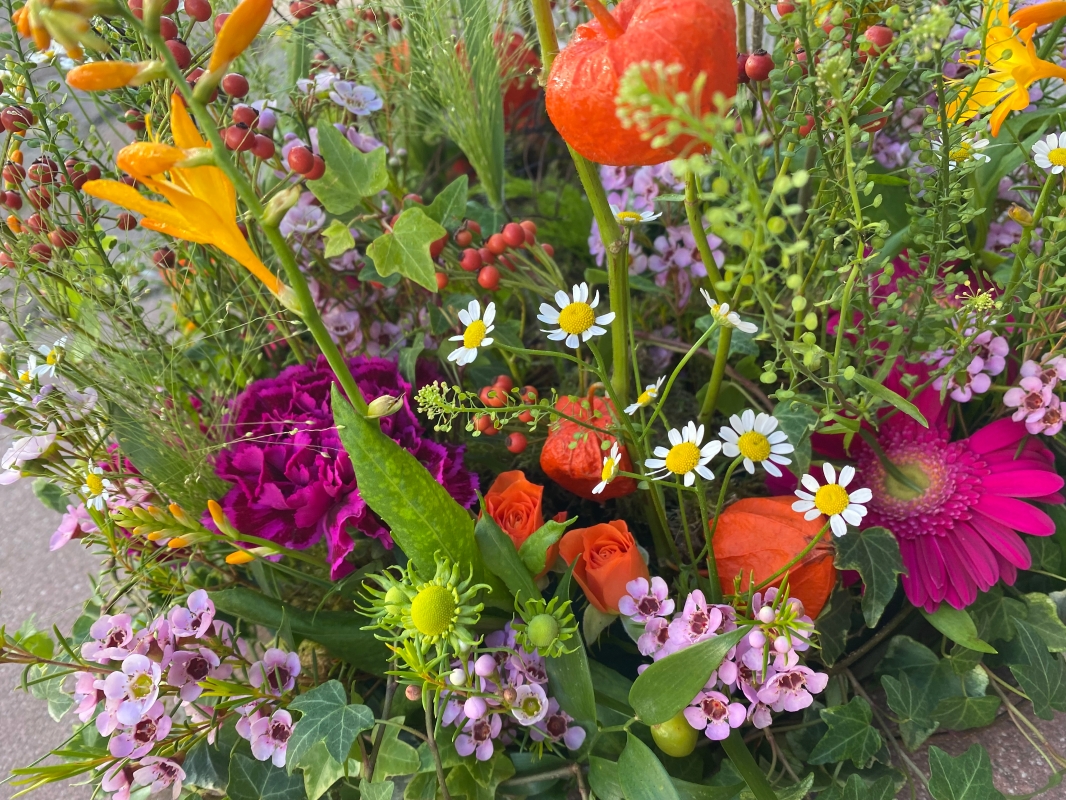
column 46, row 369
column 647, row 397
column 476, row 333
column 756, row 438
column 610, row 468
column 726, row 318
column 632, row 217
column 576, row 318
column 684, row 457
column 97, row 488
column 968, row 149
column 1050, row 153
column 54, row 53
column 832, row 499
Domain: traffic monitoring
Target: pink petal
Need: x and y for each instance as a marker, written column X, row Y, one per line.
column 1006, row 544
column 912, row 582
column 1001, row 433
column 978, row 554
column 1016, row 514
column 961, row 584
column 1022, row 483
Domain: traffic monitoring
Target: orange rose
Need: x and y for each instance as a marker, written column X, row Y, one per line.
column 609, row 559
column 514, row 503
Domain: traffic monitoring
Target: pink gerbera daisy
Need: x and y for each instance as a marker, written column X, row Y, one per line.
column 958, row 515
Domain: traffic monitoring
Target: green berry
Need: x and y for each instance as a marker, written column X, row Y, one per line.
column 543, row 630
column 675, row 737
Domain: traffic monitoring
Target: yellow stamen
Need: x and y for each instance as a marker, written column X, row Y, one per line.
column 474, row 334
column 94, row 482
column 1057, row 156
column 609, row 467
column 577, row 318
column 831, row 499
column 628, row 216
column 433, row 610
column 753, row 445
column 682, row 458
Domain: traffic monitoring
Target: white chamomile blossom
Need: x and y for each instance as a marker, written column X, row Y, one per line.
column 832, row 499
column 610, row 469
column 726, row 318
column 56, row 54
column 684, row 458
column 476, row 333
column 632, row 217
column 576, row 318
column 647, row 397
column 98, row 488
column 46, row 370
column 1050, row 153
column 755, row 437
column 968, row 149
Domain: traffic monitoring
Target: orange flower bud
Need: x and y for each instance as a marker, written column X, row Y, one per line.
column 99, row 76
column 176, row 542
column 148, row 158
column 21, row 18
column 239, row 557
column 1039, row 14
column 240, row 28
column 216, row 512
column 15, row 156
column 14, row 223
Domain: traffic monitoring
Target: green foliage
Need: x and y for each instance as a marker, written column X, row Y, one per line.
column 641, row 775
column 1042, row 676
column 321, row 771
column 1043, row 617
column 958, row 626
column 478, row 780
column 260, row 780
column 339, row 239
column 395, row 757
column 405, row 250
column 534, row 550
column 502, row 560
column 913, row 705
column 449, row 207
column 858, row 789
column 967, row 777
column 797, row 420
column 874, row 554
column 994, row 615
column 851, row 735
column 569, row 679
column 326, row 717
column 51, row 495
column 833, row 625
column 350, row 174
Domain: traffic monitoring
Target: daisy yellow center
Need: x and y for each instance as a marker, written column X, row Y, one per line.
column 628, row 216
column 682, row 458
column 831, row 499
column 474, row 334
column 433, row 610
column 646, row 397
column 608, row 469
column 52, row 357
column 961, row 153
column 754, row 445
column 1057, row 156
column 25, row 377
column 94, row 482
column 577, row 318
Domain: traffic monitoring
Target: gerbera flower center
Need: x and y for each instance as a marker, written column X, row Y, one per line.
column 900, row 490
column 754, row 445
column 474, row 334
column 94, row 482
column 577, row 318
column 433, row 610
column 1057, row 156
column 682, row 458
column 831, row 499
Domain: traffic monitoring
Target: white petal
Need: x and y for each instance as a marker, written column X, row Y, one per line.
column 829, row 472
column 863, row 495
column 487, row 341
column 562, row 299
column 690, row 478
column 802, row 506
column 704, row 473
column 456, row 354
column 802, row 495
column 654, row 463
column 674, row 435
column 490, row 315
column 838, row 525
column 474, row 309
column 605, row 319
column 728, row 434
column 573, row 341
column 556, row 335
column 810, row 482
column 771, row 469
column 749, row 466
column 748, row 418
column 814, row 513
column 847, row 472
column 850, row 516
column 661, row 451
column 730, row 450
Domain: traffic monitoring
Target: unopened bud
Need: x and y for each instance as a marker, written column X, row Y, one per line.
column 413, row 693
column 384, row 406
column 457, row 677
column 1021, row 216
column 510, row 695
column 279, row 204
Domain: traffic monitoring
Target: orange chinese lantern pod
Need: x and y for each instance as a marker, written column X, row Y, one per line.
column 697, row 35
column 760, row 535
column 573, row 454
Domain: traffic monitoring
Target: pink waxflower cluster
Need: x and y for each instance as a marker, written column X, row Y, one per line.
column 761, row 674
column 971, row 374
column 1034, row 398
column 162, row 670
column 498, row 693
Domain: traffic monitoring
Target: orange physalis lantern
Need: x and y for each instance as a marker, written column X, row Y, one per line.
column 760, row 535
column 697, row 35
column 573, row 454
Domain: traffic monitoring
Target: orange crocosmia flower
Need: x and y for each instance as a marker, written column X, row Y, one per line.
column 1012, row 63
column 201, row 203
column 99, row 76
column 238, row 31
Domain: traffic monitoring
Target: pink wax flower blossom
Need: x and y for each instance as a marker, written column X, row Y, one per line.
column 1047, row 420
column 278, row 670
column 75, row 524
column 136, row 741
column 159, row 773
column 135, row 688
column 992, row 350
column 558, row 726
column 194, row 621
column 477, row 737
column 531, row 706
column 270, row 737
column 697, row 622
column 112, row 639
column 189, row 667
column 1049, row 372
column 644, row 601
column 712, row 713
column 119, row 780
column 656, row 635
column 88, row 693
column 1029, row 396
column 792, row 689
column 964, row 383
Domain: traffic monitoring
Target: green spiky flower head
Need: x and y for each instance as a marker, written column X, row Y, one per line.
column 546, row 626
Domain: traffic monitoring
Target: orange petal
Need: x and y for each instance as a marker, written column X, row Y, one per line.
column 240, row 28
column 148, row 158
column 176, row 231
column 99, row 76
column 1039, row 14
column 186, row 136
column 128, row 197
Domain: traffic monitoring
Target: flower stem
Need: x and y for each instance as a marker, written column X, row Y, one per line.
column 721, row 358
column 431, row 740
column 1021, row 250
column 795, row 559
column 747, row 766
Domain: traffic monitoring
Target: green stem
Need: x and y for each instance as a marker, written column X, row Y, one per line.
column 712, row 564
column 695, row 222
column 747, row 766
column 795, row 559
column 721, row 358
column 1021, row 250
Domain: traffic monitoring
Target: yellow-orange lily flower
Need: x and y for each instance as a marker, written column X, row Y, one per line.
column 1012, row 63
column 238, row 31
column 201, row 202
column 99, row 76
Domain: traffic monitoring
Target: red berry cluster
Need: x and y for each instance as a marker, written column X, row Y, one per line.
column 496, row 396
column 493, row 249
column 303, row 162
column 241, row 135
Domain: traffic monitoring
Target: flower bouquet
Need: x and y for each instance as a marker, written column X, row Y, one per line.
column 548, row 400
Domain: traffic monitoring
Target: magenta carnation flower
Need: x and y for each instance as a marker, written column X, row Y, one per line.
column 959, row 534
column 293, row 481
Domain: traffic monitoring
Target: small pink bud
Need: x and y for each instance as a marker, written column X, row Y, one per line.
column 756, row 638
column 475, row 707
column 767, row 614
column 413, row 693
column 485, row 666
column 781, row 645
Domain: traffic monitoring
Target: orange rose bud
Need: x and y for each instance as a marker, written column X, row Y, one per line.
column 514, row 503
column 149, row 158
column 238, row 31
column 1039, row 14
column 100, row 76
column 607, row 559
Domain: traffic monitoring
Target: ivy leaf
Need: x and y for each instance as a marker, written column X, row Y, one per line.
column 376, row 791
column 968, row 777
column 958, row 626
column 260, row 780
column 797, row 420
column 406, row 249
column 833, row 625
column 327, row 718
column 874, row 553
column 395, row 757
column 534, row 550
column 994, row 615
column 1044, row 619
column 912, row 707
column 339, row 239
column 1046, row 553
column 448, row 208
column 856, row 788
column 350, row 174
column 320, row 771
column 963, row 713
column 850, row 735
column 1042, row 676
column 51, row 495
column 642, row 775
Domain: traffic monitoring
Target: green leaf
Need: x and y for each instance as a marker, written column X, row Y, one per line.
column 51, row 495
column 994, row 615
column 449, row 207
column 882, row 392
column 797, row 420
column 422, row 516
column 833, row 625
column 51, row 691
column 963, row 713
column 912, row 707
column 958, row 626
column 1044, row 619
column 603, row 779
column 968, row 777
column 327, row 718
column 350, row 174
column 320, row 771
column 641, row 775
column 667, row 686
column 1046, row 553
column 339, row 239
column 569, row 679
column 858, row 789
column 395, row 757
column 502, row 559
column 421, row 787
column 1042, row 676
column 260, row 780
column 534, row 550
column 376, row 791
column 851, row 735
column 594, row 622
column 874, row 553
column 406, row 249
column 340, row 632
